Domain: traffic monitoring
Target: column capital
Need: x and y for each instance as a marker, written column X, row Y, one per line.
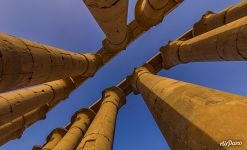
column 44, row 110
column 114, row 48
column 138, row 72
column 149, row 13
column 112, row 18
column 94, row 62
column 100, row 3
column 143, row 19
column 170, row 54
column 37, row 147
column 89, row 112
column 114, row 91
column 60, row 131
column 144, row 68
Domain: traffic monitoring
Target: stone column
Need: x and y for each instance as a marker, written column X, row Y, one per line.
column 80, row 123
column 211, row 20
column 53, row 138
column 15, row 128
column 111, row 15
column 15, row 104
column 226, row 43
column 99, row 135
column 37, row 147
column 25, row 63
column 151, row 12
column 192, row 116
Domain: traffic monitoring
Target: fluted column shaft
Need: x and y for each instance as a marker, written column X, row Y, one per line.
column 53, row 138
column 99, row 135
column 211, row 20
column 16, row 103
column 80, row 123
column 15, row 128
column 226, row 43
column 111, row 15
column 151, row 12
column 192, row 116
column 25, row 63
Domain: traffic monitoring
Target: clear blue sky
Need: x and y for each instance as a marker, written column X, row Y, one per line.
column 68, row 24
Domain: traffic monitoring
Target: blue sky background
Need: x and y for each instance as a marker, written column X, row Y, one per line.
column 69, row 25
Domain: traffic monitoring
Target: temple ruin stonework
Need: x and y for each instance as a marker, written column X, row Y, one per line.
column 37, row 77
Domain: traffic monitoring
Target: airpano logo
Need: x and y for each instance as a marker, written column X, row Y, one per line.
column 229, row 143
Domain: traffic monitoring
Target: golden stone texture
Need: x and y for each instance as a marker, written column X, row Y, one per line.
column 15, row 127
column 149, row 13
column 80, row 122
column 25, row 63
column 226, row 43
column 192, row 116
column 111, row 15
column 189, row 116
column 16, row 103
column 211, row 20
column 55, row 136
column 99, row 135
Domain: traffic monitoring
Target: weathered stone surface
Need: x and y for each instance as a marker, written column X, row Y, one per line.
column 25, row 63
column 226, row 43
column 80, row 123
column 58, row 90
column 211, row 20
column 111, row 15
column 15, row 104
column 53, row 138
column 15, row 128
column 192, row 116
column 151, row 12
column 137, row 30
column 99, row 135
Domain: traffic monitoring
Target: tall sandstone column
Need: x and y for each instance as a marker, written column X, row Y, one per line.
column 16, row 103
column 15, row 128
column 211, row 20
column 192, row 116
column 151, row 12
column 226, row 43
column 53, row 138
column 111, row 15
column 25, row 63
column 80, row 123
column 99, row 135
